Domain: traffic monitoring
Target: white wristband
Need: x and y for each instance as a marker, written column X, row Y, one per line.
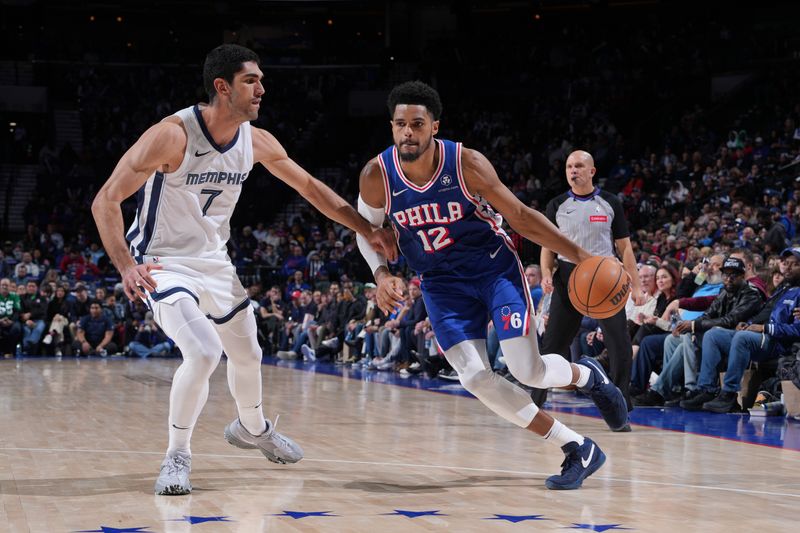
column 374, row 216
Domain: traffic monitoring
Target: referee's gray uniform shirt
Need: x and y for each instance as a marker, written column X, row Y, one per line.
column 593, row 221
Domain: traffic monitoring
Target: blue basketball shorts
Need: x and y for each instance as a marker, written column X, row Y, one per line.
column 460, row 307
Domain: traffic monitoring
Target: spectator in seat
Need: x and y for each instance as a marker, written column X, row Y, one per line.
column 59, row 309
column 271, row 315
column 34, row 312
column 295, row 261
column 33, row 268
column 95, row 332
column 736, row 303
column 768, row 335
column 10, row 327
column 150, row 340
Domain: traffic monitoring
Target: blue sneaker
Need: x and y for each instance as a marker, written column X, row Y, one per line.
column 581, row 461
column 605, row 395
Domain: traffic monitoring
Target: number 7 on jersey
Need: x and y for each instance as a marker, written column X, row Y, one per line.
column 213, row 193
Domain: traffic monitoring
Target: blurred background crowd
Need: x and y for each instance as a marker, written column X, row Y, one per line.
column 691, row 114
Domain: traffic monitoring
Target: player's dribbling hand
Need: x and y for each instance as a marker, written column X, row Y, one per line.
column 382, row 241
column 137, row 279
column 390, row 293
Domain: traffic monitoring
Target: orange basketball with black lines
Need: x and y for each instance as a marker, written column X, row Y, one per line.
column 599, row 287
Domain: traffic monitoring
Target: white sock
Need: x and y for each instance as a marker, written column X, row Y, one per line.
column 252, row 418
column 585, row 374
column 179, row 439
column 560, row 435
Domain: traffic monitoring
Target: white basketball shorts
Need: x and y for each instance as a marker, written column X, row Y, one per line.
column 212, row 283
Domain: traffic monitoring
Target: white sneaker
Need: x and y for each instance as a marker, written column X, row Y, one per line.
column 48, row 339
column 414, row 366
column 283, row 354
column 308, row 353
column 331, row 343
column 276, row 447
column 174, row 477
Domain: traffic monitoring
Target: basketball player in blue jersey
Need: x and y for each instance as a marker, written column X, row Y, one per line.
column 189, row 170
column 440, row 199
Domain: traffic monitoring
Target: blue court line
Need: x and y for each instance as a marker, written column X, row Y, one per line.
column 770, row 431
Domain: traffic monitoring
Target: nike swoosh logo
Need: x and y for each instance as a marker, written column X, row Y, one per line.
column 198, row 154
column 570, row 212
column 599, row 369
column 398, row 193
column 495, row 252
column 585, row 462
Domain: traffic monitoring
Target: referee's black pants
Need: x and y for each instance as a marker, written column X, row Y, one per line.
column 563, row 325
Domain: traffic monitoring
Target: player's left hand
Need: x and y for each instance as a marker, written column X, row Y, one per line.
column 389, row 295
column 382, row 241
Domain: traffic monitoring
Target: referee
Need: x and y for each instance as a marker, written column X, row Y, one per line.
column 594, row 220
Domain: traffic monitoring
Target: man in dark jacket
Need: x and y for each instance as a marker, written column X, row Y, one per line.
column 737, row 302
column 768, row 335
column 34, row 309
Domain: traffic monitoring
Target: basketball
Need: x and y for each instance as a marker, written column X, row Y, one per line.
column 599, row 287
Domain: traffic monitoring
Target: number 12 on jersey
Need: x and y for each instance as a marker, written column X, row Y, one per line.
column 435, row 239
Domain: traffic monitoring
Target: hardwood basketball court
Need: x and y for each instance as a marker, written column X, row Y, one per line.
column 82, row 442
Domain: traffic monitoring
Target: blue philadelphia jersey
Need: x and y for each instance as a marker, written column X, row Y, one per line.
column 454, row 240
column 440, row 226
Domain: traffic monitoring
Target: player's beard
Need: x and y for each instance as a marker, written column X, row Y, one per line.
column 715, row 278
column 410, row 157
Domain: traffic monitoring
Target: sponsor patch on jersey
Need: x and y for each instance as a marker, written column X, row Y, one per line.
column 598, row 218
column 446, row 180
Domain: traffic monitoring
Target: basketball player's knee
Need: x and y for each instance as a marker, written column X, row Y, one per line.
column 529, row 370
column 240, row 340
column 201, row 353
column 478, row 381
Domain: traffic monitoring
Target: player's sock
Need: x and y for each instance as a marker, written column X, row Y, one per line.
column 560, row 435
column 585, row 374
column 179, row 438
column 252, row 418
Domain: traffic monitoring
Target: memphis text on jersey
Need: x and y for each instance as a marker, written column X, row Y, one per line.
column 227, row 178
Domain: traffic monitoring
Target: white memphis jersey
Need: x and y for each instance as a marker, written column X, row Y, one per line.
column 187, row 213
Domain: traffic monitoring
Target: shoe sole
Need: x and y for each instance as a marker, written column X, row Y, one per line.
column 594, row 467
column 174, row 490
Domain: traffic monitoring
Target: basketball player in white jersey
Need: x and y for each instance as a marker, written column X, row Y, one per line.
column 189, row 170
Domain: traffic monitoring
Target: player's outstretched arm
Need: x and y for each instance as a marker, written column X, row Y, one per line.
column 160, row 147
column 481, row 178
column 271, row 154
column 371, row 204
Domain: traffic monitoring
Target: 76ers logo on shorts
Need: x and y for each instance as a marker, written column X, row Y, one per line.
column 510, row 320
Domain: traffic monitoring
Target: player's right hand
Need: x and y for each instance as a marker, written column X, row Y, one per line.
column 389, row 295
column 136, row 279
column 547, row 284
column 383, row 241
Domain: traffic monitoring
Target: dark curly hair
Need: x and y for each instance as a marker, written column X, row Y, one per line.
column 415, row 93
column 224, row 62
